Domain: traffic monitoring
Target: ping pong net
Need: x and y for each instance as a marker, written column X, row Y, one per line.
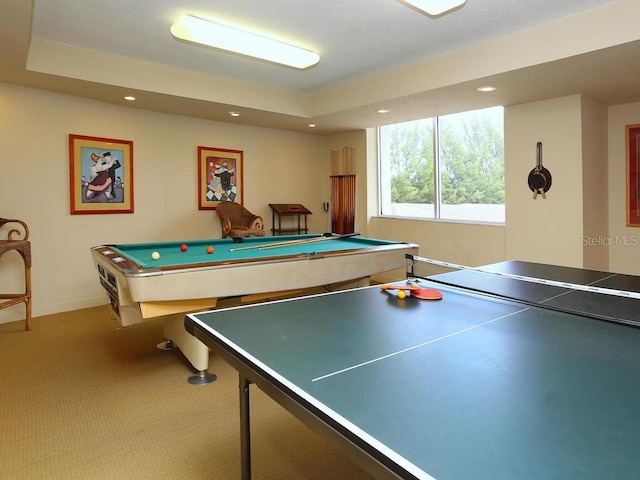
column 602, row 295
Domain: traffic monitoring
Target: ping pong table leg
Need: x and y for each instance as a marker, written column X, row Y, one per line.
column 245, row 431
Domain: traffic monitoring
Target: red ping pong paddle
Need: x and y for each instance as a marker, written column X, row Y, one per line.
column 427, row 294
column 416, row 291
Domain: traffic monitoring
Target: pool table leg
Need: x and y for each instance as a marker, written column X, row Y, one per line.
column 166, row 345
column 193, row 349
column 202, row 378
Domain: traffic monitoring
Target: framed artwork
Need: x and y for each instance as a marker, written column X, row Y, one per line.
column 219, row 177
column 101, row 175
column 633, row 175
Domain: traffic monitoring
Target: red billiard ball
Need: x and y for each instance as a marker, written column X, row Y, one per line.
column 209, row 249
column 183, row 247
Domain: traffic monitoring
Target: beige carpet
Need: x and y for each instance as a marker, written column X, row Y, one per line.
column 82, row 400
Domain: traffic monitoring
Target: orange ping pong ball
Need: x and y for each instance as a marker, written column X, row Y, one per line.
column 209, row 249
column 402, row 294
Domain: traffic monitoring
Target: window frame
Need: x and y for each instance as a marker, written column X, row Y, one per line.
column 437, row 180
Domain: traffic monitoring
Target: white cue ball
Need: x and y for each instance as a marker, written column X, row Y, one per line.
column 155, row 255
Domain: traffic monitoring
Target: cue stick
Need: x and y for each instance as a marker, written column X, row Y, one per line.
column 352, row 205
column 264, row 246
column 339, row 161
column 350, row 208
column 283, row 243
column 347, row 190
column 312, row 240
column 334, row 193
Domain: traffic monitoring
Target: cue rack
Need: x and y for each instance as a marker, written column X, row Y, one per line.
column 343, row 191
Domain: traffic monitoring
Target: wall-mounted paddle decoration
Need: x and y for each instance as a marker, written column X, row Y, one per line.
column 539, row 178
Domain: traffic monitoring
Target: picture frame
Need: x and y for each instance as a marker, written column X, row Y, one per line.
column 633, row 175
column 220, row 177
column 101, row 175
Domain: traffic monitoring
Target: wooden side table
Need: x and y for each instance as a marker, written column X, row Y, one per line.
column 288, row 210
column 23, row 247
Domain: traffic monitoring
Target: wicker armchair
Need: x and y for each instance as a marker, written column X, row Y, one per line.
column 236, row 221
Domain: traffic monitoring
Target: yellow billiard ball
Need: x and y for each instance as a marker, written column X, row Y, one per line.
column 402, row 294
column 155, row 255
column 209, row 249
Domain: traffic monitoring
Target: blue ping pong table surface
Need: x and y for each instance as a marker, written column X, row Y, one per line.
column 467, row 387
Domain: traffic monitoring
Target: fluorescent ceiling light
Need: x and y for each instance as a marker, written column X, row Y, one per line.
column 233, row 39
column 435, row 7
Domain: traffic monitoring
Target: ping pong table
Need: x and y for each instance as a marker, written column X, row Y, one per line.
column 473, row 386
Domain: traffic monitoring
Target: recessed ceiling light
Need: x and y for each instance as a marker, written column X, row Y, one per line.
column 234, row 114
column 235, row 39
column 435, row 7
column 383, row 110
column 312, row 125
column 130, row 98
column 487, row 88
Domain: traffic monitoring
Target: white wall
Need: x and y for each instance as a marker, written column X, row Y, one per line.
column 460, row 243
column 595, row 194
column 279, row 167
column 546, row 231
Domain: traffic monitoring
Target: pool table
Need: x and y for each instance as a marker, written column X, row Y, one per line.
column 140, row 287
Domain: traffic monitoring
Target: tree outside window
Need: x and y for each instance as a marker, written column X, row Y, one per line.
column 450, row 167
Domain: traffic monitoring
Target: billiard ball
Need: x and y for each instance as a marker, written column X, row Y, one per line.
column 183, row 247
column 402, row 294
column 155, row 255
column 209, row 249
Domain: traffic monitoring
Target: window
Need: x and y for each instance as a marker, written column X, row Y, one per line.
column 445, row 168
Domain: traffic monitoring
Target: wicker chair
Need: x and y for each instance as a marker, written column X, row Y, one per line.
column 23, row 247
column 238, row 222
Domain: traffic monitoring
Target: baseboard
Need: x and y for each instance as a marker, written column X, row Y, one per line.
column 17, row 312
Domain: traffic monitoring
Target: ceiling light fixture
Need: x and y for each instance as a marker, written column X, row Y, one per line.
column 233, row 39
column 234, row 114
column 383, row 110
column 130, row 98
column 435, row 7
column 487, row 88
